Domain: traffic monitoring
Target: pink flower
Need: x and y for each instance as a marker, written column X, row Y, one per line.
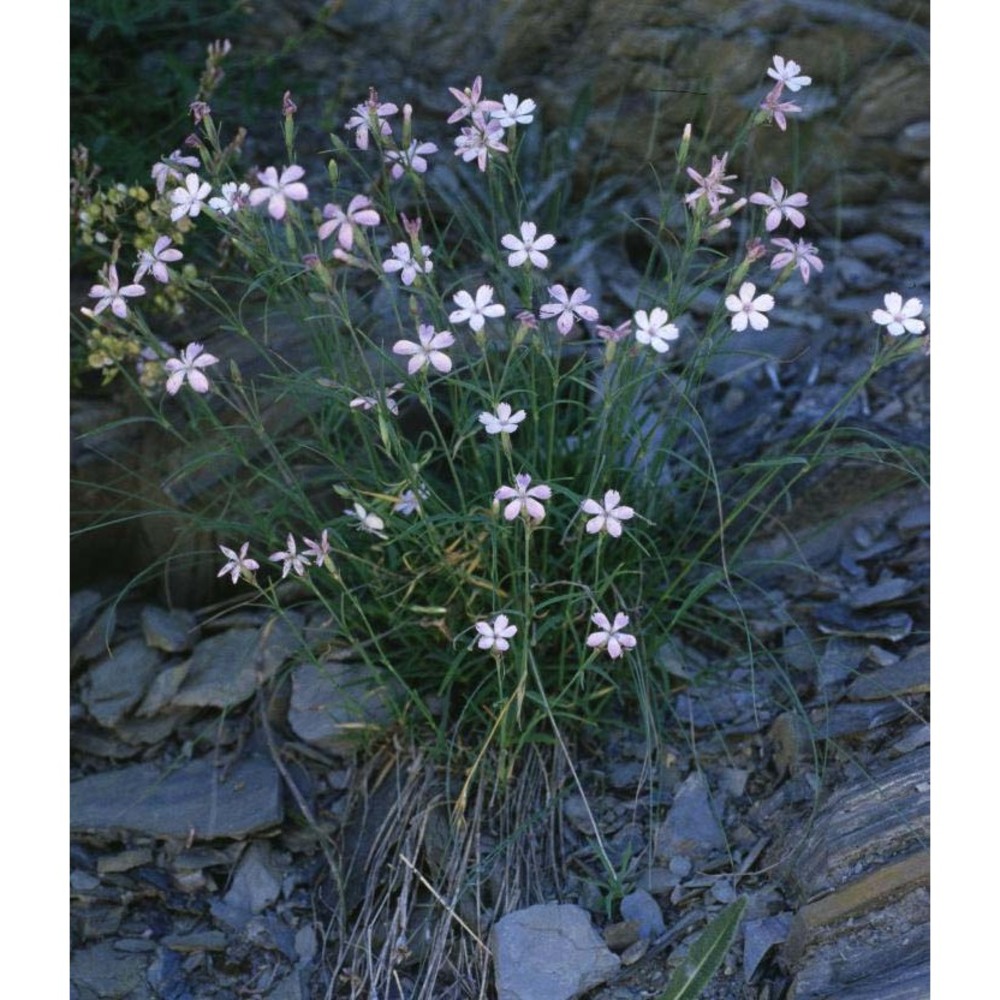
column 156, row 260
column 802, row 255
column 512, row 112
column 290, row 559
column 189, row 197
column 787, row 73
column 610, row 635
column 479, row 140
column 238, row 565
column 494, row 635
column 359, row 213
column 411, row 158
column 232, row 198
column 654, row 329
column 113, row 296
column 614, row 333
column 469, row 102
column 900, row 317
column 566, row 308
column 409, row 267
column 276, row 191
column 778, row 109
column 476, row 311
column 608, row 516
column 779, row 205
column 712, row 186
column 428, row 351
column 189, row 366
column 368, row 115
column 747, row 309
column 528, row 247
column 167, row 169
column 503, row 421
column 317, row 551
column 523, row 496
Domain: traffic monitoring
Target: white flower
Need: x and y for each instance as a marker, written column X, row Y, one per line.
column 565, row 308
column 503, row 421
column 234, row 197
column 654, row 330
column 114, row 296
column 189, row 197
column 238, row 565
column 494, row 634
column 189, row 366
column 747, row 309
column 367, row 521
column 607, row 516
column 529, row 246
column 166, row 169
column 414, row 158
column 475, row 311
column 277, row 191
column 428, row 351
column 900, row 317
column 524, row 497
column 409, row 501
column 611, row 635
column 409, row 267
column 514, row 112
column 156, row 260
column 788, row 74
column 290, row 559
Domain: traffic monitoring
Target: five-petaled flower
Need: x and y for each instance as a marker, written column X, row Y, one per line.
column 494, row 635
column 523, row 496
column 238, row 565
column 428, row 351
column 503, row 421
column 566, row 308
column 899, row 317
column 654, row 330
column 610, row 635
column 469, row 101
column 475, row 311
column 529, row 247
column 409, row 267
column 409, row 501
column 607, row 516
column 114, row 296
column 747, row 308
column 515, row 112
column 318, row 551
column 233, row 197
column 359, row 213
column 787, row 73
column 291, row 559
column 278, row 191
column 413, row 158
column 801, row 255
column 155, row 261
column 367, row 521
column 371, row 113
column 189, row 197
column 188, row 366
column 166, row 169
column 779, row 205
column 776, row 108
column 712, row 186
column 480, row 139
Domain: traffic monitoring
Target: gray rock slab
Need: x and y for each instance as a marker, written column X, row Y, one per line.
column 691, row 827
column 909, row 676
column 256, row 883
column 171, row 631
column 549, row 952
column 225, row 670
column 114, row 686
column 196, row 795
column 103, row 971
column 759, row 936
column 642, row 908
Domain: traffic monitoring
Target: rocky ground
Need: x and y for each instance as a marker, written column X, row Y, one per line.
column 229, row 842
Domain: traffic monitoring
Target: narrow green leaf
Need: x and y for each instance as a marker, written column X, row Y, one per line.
column 706, row 955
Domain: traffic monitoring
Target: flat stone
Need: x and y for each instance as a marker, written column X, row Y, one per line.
column 115, row 686
column 83, row 605
column 911, row 675
column 759, row 937
column 194, row 796
column 691, row 827
column 256, row 884
column 645, row 911
column 225, row 670
column 841, row 659
column 171, row 631
column 890, row 588
column 549, row 952
column 103, row 971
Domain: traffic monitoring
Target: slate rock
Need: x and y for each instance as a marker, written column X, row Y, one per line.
column 691, row 827
column 117, row 684
column 759, row 936
column 83, row 605
column 196, row 795
column 642, row 908
column 549, row 952
column 911, row 675
column 103, row 971
column 256, row 884
column 171, row 631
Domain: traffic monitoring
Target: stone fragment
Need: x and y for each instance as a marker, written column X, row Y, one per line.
column 645, row 911
column 889, row 588
column 549, row 952
column 83, row 605
column 691, row 827
column 119, row 682
column 841, row 659
column 759, row 937
column 911, row 675
column 103, row 971
column 621, row 935
column 171, row 631
column 196, row 796
column 256, row 884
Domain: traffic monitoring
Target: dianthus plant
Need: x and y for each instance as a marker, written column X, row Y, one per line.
column 491, row 479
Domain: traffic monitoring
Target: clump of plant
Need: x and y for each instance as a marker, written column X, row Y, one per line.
column 500, row 494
